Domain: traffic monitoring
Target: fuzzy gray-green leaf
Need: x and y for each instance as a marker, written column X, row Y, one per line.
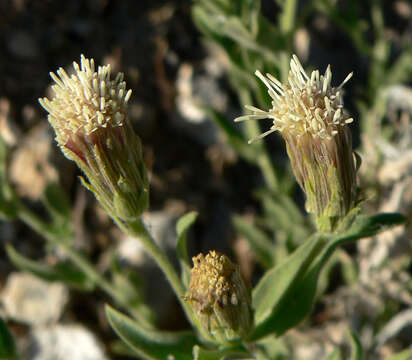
column 278, row 282
column 227, row 354
column 64, row 272
column 151, row 343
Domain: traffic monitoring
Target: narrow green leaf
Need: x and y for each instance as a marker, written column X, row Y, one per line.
column 7, row 345
column 297, row 301
column 250, row 12
column 403, row 355
column 118, row 347
column 56, row 201
column 363, row 226
column 277, row 283
column 226, row 354
column 203, row 354
column 234, row 137
column 273, row 348
column 148, row 343
column 128, row 283
column 64, row 272
column 294, row 308
column 58, row 206
column 270, row 37
column 349, row 267
column 7, row 195
column 221, row 27
column 182, row 227
column 281, row 214
column 261, row 245
column 369, row 225
column 401, row 70
column 356, row 347
column 232, row 133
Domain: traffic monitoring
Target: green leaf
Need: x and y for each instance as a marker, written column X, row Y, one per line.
column 56, row 201
column 7, row 195
column 296, row 301
column 401, row 70
column 282, row 215
column 58, row 206
column 128, row 282
column 222, row 26
column 363, row 226
column 349, row 267
column 271, row 37
column 273, row 348
column 356, row 347
column 149, row 343
column 250, row 15
column 294, row 308
column 182, row 227
column 226, row 354
column 277, row 283
column 7, row 345
column 261, row 245
column 403, row 355
column 300, row 301
column 64, row 272
column 234, row 137
column 118, row 347
column 369, row 225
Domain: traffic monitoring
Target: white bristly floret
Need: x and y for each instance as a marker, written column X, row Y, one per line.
column 306, row 104
column 86, row 101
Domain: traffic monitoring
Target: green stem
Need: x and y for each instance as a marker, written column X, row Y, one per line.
column 137, row 229
column 33, row 221
column 287, row 18
column 286, row 25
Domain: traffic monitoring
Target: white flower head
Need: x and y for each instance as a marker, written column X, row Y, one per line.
column 86, row 101
column 89, row 115
column 306, row 104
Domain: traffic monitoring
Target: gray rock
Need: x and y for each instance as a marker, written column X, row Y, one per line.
column 64, row 342
column 33, row 301
column 198, row 88
column 32, row 165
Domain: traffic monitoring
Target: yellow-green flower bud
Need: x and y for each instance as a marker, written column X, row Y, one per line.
column 89, row 115
column 219, row 297
column 309, row 114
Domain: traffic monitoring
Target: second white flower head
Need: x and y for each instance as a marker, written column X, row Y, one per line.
column 306, row 104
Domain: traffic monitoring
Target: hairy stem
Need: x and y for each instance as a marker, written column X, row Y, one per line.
column 42, row 228
column 137, row 229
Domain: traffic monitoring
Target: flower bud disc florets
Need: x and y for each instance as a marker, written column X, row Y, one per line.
column 211, row 280
column 86, row 101
column 219, row 296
